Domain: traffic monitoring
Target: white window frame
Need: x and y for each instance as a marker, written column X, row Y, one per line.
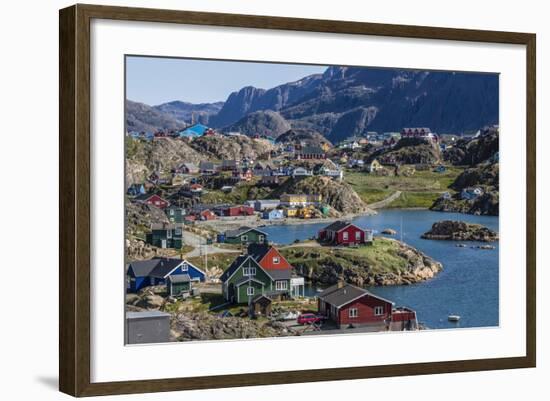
column 353, row 313
column 249, row 271
column 249, row 291
column 345, row 236
column 171, row 212
column 358, row 235
column 281, row 285
column 184, row 267
column 244, row 238
column 378, row 310
column 276, row 260
column 168, row 233
column 261, row 239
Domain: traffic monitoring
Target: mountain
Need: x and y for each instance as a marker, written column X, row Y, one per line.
column 347, row 101
column 260, row 122
column 141, row 117
column 185, row 111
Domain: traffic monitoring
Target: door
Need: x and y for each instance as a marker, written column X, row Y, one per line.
column 163, row 243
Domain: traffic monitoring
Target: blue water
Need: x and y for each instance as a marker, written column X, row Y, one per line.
column 467, row 286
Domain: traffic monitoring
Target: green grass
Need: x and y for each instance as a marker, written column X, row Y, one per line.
column 419, row 190
column 381, row 257
column 415, row 200
column 220, row 260
column 242, row 192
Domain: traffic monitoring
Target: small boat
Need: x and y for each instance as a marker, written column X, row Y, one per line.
column 453, row 318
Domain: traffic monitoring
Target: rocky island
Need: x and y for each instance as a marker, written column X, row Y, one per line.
column 386, row 262
column 460, row 231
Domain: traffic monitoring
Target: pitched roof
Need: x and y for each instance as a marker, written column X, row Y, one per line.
column 165, row 266
column 233, row 267
column 180, row 278
column 240, row 231
column 258, row 251
column 340, row 296
column 142, row 268
column 312, row 150
column 337, row 225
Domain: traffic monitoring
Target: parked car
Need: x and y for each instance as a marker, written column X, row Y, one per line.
column 309, row 318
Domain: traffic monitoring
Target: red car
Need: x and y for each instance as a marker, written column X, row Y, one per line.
column 309, row 318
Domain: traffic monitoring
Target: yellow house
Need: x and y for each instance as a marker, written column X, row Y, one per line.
column 325, row 146
column 304, row 213
column 374, row 166
column 293, row 200
column 291, row 212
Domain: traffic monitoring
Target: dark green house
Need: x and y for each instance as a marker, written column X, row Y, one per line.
column 175, row 214
column 245, row 235
column 178, row 285
column 245, row 279
column 165, row 236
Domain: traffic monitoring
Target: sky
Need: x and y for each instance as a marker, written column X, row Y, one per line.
column 154, row 80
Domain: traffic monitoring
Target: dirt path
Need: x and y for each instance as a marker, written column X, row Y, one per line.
column 385, row 202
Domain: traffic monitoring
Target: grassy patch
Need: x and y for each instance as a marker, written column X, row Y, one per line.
column 381, row 257
column 415, row 199
column 419, row 190
column 219, row 260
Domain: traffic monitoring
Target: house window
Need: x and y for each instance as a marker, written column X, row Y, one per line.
column 169, row 234
column 280, row 285
column 261, row 239
column 249, row 271
column 244, row 238
column 250, row 291
column 178, row 232
column 345, row 236
column 378, row 310
column 353, row 312
column 358, row 235
column 184, row 268
column 171, row 212
column 276, row 260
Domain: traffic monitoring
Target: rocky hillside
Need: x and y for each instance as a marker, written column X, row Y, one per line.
column 460, row 231
column 345, row 101
column 142, row 158
column 298, row 135
column 469, row 152
column 411, row 151
column 486, row 174
column 185, row 111
column 141, row 117
column 235, row 147
column 339, row 195
column 262, row 123
column 387, row 262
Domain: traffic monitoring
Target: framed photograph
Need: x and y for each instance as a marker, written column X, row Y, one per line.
column 250, row 200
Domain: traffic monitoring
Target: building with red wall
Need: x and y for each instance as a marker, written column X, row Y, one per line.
column 344, row 233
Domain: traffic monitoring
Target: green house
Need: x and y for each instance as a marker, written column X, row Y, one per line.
column 178, row 285
column 245, row 235
column 165, row 236
column 245, row 279
column 175, row 214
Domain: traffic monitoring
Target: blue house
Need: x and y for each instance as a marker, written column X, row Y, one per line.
column 136, row 189
column 273, row 214
column 162, row 271
column 193, row 131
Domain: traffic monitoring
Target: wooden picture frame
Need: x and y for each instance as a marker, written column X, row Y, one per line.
column 75, row 207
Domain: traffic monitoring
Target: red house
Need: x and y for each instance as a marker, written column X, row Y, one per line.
column 268, row 257
column 234, row 211
column 349, row 306
column 153, row 200
column 345, row 233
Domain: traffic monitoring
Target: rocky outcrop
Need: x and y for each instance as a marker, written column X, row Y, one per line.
column 339, row 195
column 142, row 117
column 262, row 123
column 235, row 147
column 297, row 136
column 460, row 231
column 163, row 154
column 411, row 151
column 400, row 265
column 204, row 326
column 469, row 152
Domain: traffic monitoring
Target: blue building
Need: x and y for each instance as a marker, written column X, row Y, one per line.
column 136, row 189
column 162, row 271
column 193, row 131
column 273, row 214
